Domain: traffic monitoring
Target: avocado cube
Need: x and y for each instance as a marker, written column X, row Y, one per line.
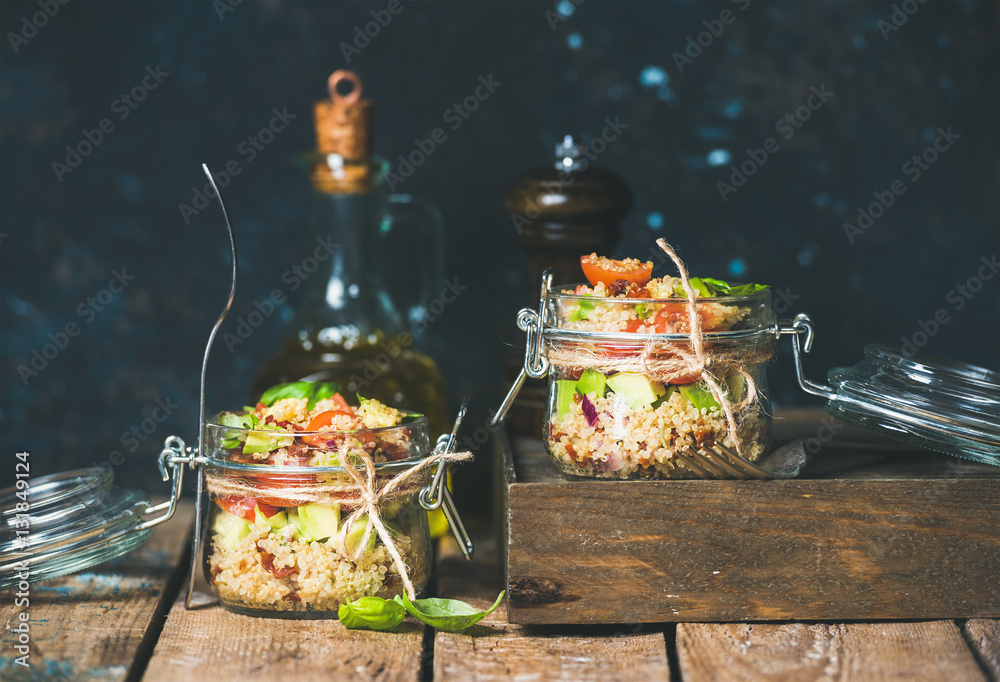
column 357, row 533
column 591, row 381
column 229, row 529
column 279, row 520
column 699, row 396
column 635, row 389
column 318, row 521
column 565, row 389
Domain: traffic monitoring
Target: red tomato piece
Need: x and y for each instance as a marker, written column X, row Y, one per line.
column 607, row 270
column 340, row 420
column 238, row 506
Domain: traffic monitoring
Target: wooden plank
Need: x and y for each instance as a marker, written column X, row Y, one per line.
column 984, row 637
column 496, row 650
column 212, row 644
column 841, row 548
column 928, row 652
column 94, row 624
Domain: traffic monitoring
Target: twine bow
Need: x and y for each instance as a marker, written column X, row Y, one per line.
column 694, row 362
column 362, row 491
column 371, row 497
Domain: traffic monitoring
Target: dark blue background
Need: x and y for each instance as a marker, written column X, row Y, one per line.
column 119, row 208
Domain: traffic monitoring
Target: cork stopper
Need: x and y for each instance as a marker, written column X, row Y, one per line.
column 344, row 136
column 344, row 122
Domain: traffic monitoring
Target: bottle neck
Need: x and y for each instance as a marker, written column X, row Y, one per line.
column 344, row 301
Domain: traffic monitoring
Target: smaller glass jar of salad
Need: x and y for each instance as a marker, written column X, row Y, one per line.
column 315, row 502
column 634, row 392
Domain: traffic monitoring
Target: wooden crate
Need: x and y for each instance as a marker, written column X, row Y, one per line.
column 871, row 530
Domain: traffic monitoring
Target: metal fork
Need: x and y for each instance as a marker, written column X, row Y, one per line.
column 720, row 462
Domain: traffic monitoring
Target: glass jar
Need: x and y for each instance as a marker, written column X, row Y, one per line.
column 634, row 394
column 296, row 540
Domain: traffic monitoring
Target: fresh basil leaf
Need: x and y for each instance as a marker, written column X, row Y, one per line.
column 361, row 401
column 296, row 389
column 746, row 289
column 700, row 289
column 312, row 391
column 450, row 615
column 716, row 286
column 581, row 312
column 322, row 391
column 371, row 613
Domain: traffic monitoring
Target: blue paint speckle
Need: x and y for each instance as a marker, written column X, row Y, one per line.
column 575, row 41
column 718, row 157
column 821, row 200
column 737, row 267
column 654, row 220
column 652, row 76
column 565, row 8
column 713, row 132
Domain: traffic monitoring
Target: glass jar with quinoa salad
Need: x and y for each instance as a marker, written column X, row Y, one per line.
column 649, row 376
column 314, row 502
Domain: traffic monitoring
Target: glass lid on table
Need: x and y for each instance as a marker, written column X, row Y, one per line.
column 665, row 378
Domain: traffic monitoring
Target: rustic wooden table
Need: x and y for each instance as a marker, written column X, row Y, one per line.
column 126, row 620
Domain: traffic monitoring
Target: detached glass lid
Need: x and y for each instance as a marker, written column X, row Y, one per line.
column 934, row 403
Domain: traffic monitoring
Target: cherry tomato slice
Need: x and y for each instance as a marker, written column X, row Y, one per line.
column 607, row 270
column 341, row 404
column 341, row 420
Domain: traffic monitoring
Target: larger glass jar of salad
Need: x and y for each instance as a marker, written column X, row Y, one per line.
column 315, row 503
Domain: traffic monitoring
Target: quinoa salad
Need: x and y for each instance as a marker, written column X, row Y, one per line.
column 611, row 415
column 269, row 555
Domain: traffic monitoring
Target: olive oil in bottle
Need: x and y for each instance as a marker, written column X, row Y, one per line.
column 346, row 327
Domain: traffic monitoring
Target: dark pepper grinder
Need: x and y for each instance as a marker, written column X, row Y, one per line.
column 562, row 211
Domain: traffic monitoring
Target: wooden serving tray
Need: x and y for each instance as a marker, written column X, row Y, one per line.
column 870, row 530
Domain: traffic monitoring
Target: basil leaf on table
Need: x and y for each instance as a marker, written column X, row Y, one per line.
column 371, row 613
column 449, row 615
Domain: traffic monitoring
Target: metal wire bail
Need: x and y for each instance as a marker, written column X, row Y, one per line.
column 796, row 327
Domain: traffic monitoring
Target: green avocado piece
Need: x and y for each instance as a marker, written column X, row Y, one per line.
column 356, row 533
column 735, row 386
column 565, row 389
column 229, row 528
column 591, row 381
column 635, row 389
column 699, row 396
column 279, row 520
column 318, row 521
